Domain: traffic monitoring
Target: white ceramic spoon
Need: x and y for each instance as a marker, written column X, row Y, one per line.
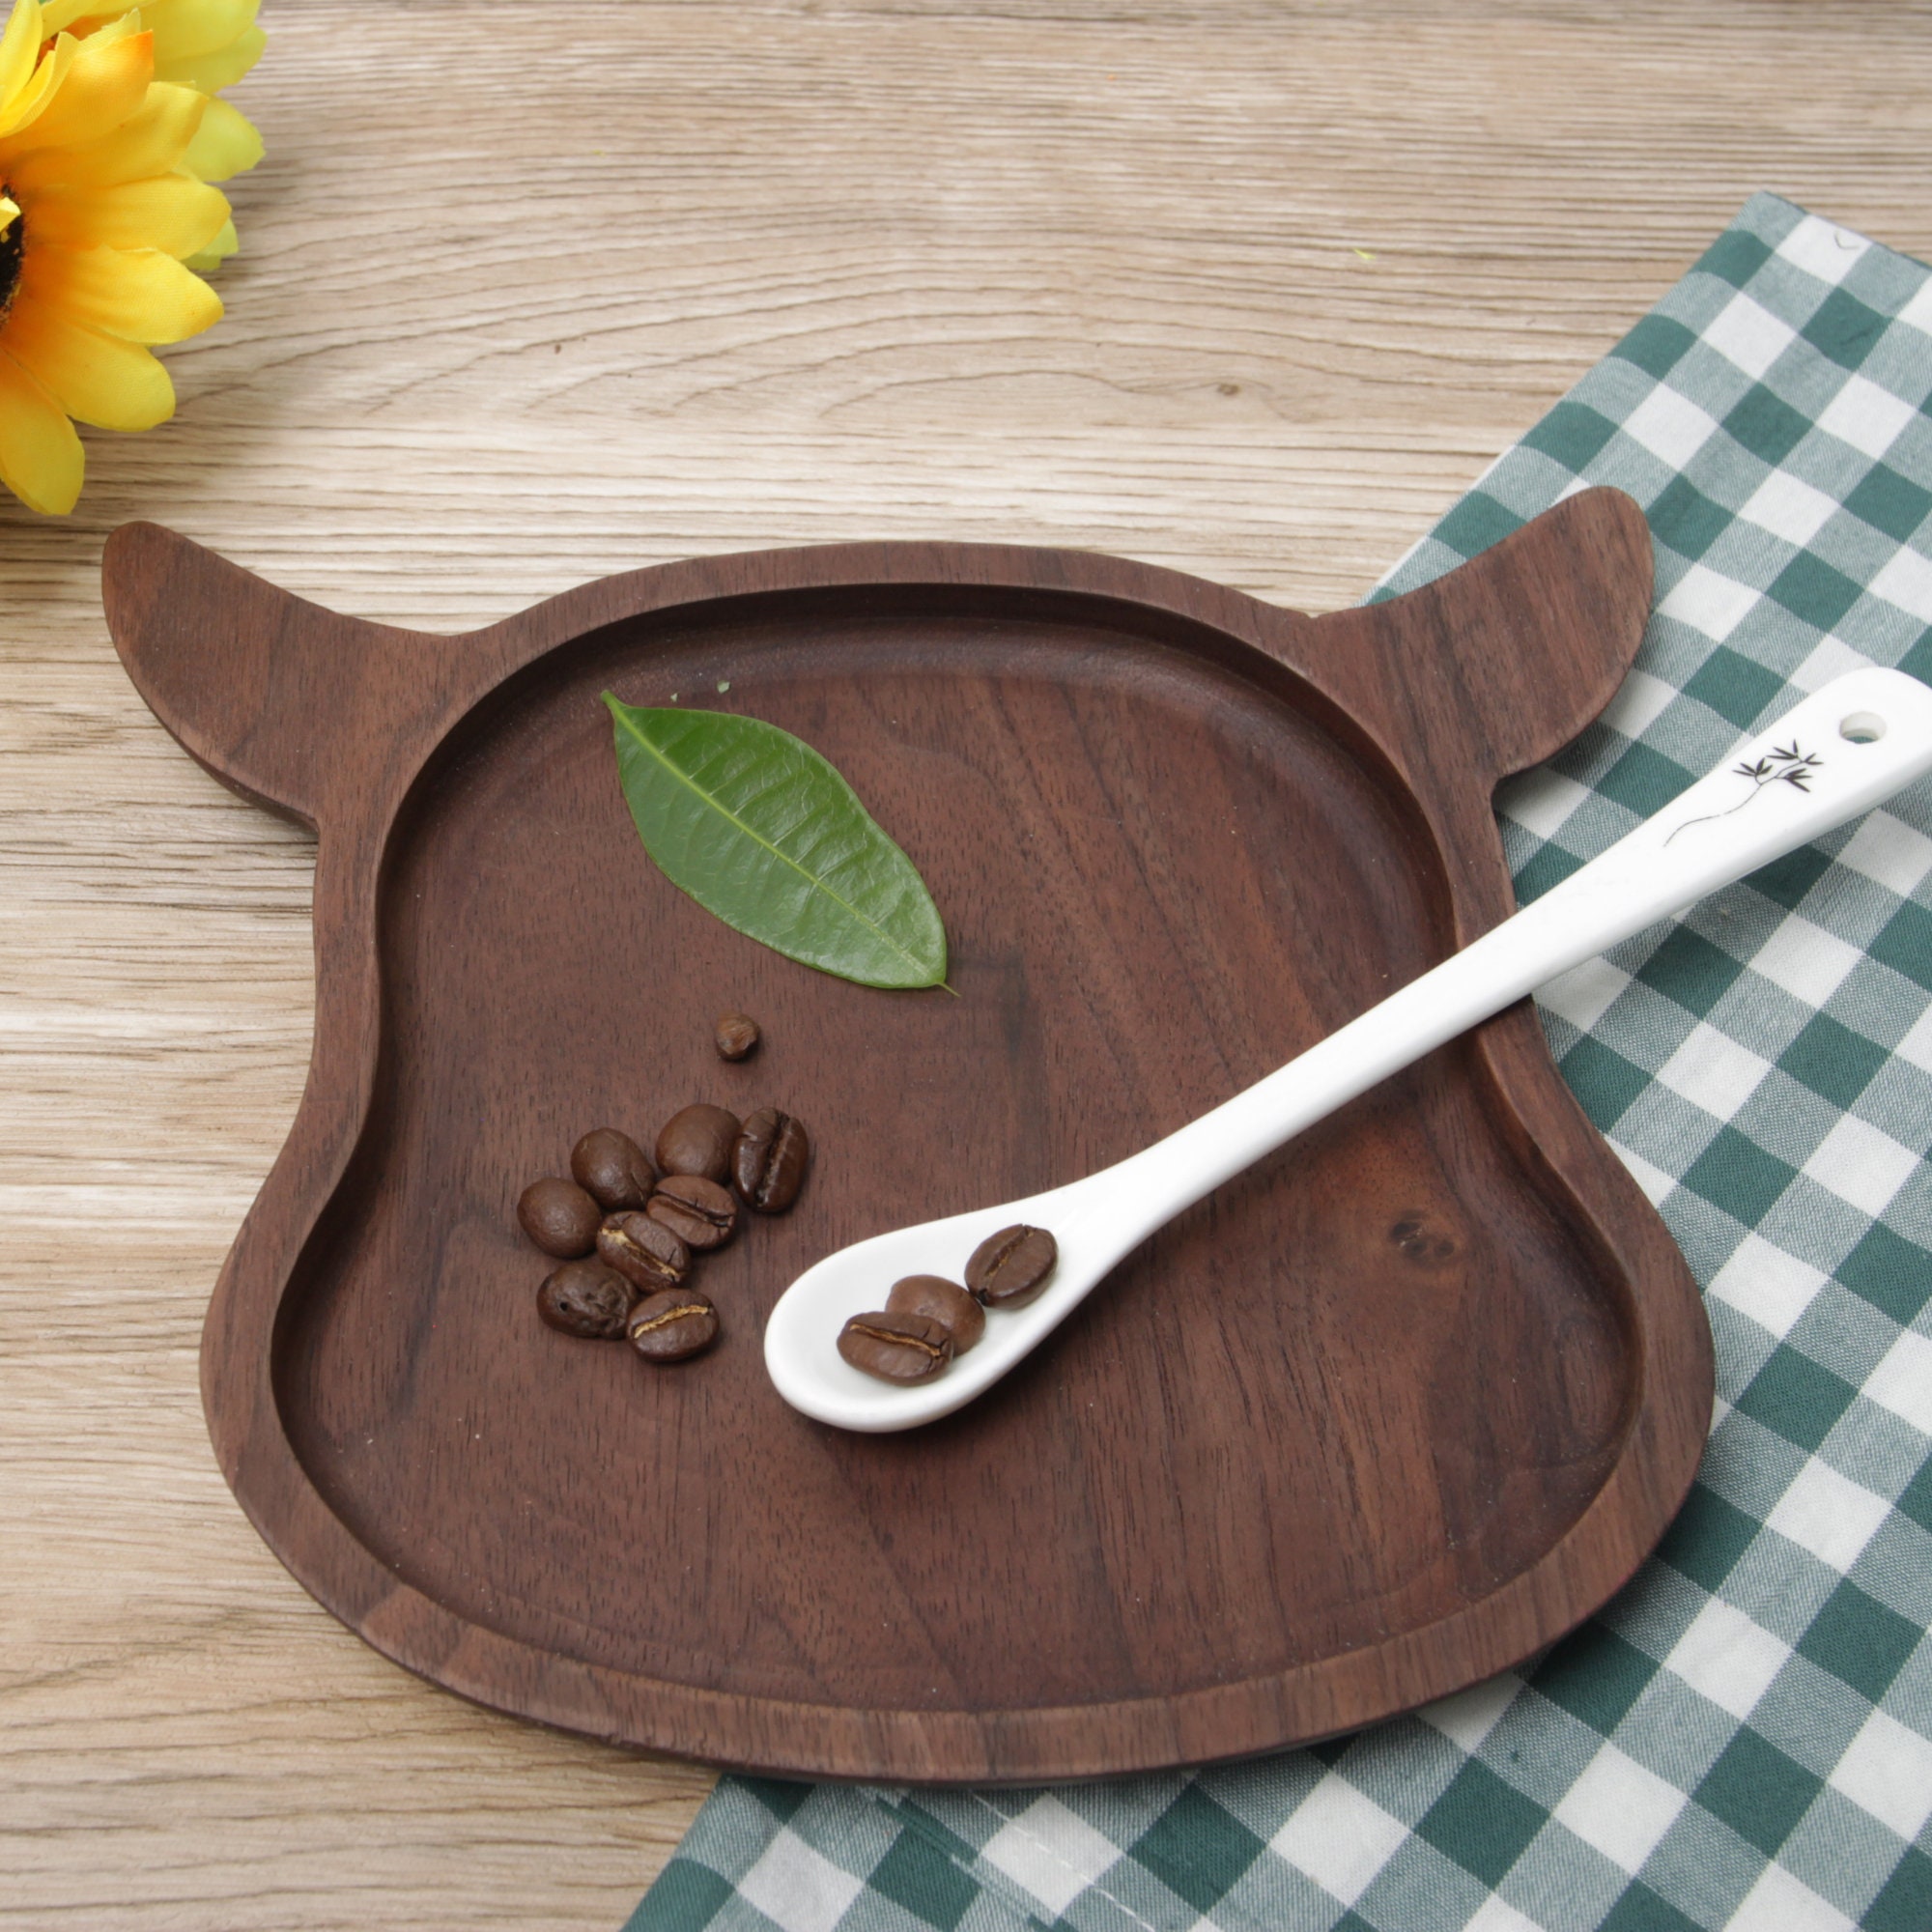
column 1833, row 756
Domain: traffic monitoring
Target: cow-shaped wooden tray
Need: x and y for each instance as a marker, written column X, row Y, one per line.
column 1381, row 1417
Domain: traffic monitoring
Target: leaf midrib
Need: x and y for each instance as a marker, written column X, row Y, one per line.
column 752, row 832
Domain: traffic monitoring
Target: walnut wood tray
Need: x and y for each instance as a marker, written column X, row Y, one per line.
column 1385, row 1416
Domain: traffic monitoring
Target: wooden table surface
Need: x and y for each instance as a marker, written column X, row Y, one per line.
column 534, row 293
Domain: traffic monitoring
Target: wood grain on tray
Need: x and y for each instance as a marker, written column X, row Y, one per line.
column 1074, row 238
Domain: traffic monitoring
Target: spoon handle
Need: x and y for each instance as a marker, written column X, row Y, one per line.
column 1846, row 747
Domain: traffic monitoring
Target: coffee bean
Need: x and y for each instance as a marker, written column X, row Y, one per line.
column 612, row 1168
column 670, row 1326
column 735, row 1034
column 643, row 1250
column 769, row 1161
column 1008, row 1269
column 698, row 1141
column 559, row 1217
column 586, row 1298
column 699, row 1212
column 897, row 1347
column 943, row 1302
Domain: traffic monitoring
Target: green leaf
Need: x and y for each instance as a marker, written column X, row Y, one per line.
column 759, row 828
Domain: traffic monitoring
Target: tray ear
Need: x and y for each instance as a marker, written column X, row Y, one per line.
column 1493, row 668
column 1502, row 662
column 263, row 690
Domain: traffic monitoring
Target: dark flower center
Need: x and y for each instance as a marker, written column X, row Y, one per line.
column 13, row 247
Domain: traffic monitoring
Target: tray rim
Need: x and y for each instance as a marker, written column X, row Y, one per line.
column 149, row 571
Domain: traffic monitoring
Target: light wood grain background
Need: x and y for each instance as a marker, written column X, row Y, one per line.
column 532, row 293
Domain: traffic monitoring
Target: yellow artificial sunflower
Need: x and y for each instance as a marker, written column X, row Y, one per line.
column 206, row 44
column 97, row 211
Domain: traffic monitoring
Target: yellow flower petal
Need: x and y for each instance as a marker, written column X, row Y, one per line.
column 186, row 28
column 151, row 142
column 222, row 67
column 227, row 143
column 97, row 378
column 40, row 90
column 19, row 49
column 10, row 212
column 40, row 458
column 112, row 25
column 136, row 293
column 170, row 213
column 58, row 13
column 217, row 251
column 105, row 85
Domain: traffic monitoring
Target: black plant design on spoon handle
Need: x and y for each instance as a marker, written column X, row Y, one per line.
column 1781, row 765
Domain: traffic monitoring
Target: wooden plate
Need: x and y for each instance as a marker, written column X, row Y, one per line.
column 1385, row 1416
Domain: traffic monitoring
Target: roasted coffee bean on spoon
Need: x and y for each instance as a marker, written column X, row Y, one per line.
column 769, row 1161
column 943, row 1302
column 897, row 1347
column 613, row 1169
column 699, row 1140
column 643, row 1250
column 735, row 1035
column 559, row 1217
column 672, row 1326
column 1008, row 1269
column 700, row 1214
column 586, row 1298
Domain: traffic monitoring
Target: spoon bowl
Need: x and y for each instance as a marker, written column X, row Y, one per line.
column 802, row 1338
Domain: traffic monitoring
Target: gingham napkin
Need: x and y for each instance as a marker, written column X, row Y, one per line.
column 1743, row 1738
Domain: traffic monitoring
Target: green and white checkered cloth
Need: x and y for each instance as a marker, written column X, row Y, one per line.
column 1742, row 1739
